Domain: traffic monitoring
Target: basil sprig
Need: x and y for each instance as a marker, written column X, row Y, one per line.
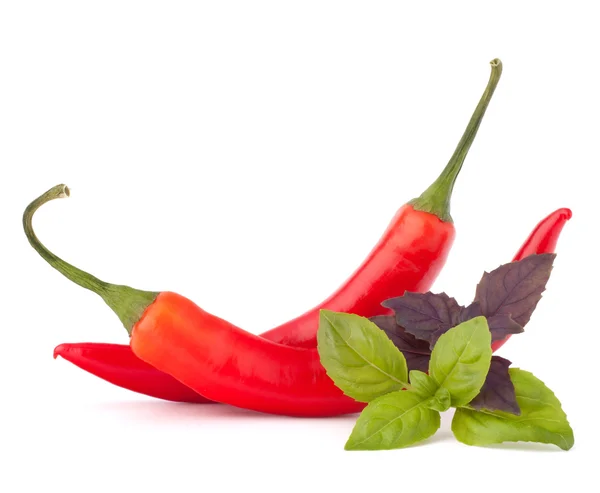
column 364, row 363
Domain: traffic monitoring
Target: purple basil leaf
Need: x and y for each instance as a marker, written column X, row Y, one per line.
column 422, row 314
column 515, row 288
column 469, row 312
column 416, row 352
column 401, row 339
column 417, row 361
column 500, row 324
column 436, row 335
column 498, row 391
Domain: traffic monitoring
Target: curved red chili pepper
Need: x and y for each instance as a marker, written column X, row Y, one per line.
column 227, row 364
column 545, row 235
column 168, row 327
column 542, row 239
column 120, row 366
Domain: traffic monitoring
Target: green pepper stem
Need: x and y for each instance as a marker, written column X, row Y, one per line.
column 436, row 199
column 129, row 304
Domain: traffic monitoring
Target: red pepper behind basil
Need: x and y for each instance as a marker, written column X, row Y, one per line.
column 542, row 239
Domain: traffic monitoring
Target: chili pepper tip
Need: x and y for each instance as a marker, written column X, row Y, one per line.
column 57, row 351
column 566, row 213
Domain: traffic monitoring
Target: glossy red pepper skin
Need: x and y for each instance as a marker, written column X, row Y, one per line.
column 545, row 235
column 119, row 365
column 227, row 364
column 542, row 239
column 408, row 257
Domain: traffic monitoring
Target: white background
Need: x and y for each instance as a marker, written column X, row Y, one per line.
column 248, row 155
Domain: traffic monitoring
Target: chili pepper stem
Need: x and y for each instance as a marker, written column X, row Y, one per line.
column 129, row 304
column 436, row 199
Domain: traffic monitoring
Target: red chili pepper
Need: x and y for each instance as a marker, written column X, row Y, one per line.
column 242, row 369
column 410, row 254
column 120, row 366
column 226, row 364
column 117, row 364
column 542, row 239
column 545, row 235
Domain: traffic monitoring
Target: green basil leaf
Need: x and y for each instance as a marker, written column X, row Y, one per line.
column 359, row 357
column 461, row 359
column 541, row 420
column 441, row 401
column 393, row 421
column 422, row 383
column 437, row 398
